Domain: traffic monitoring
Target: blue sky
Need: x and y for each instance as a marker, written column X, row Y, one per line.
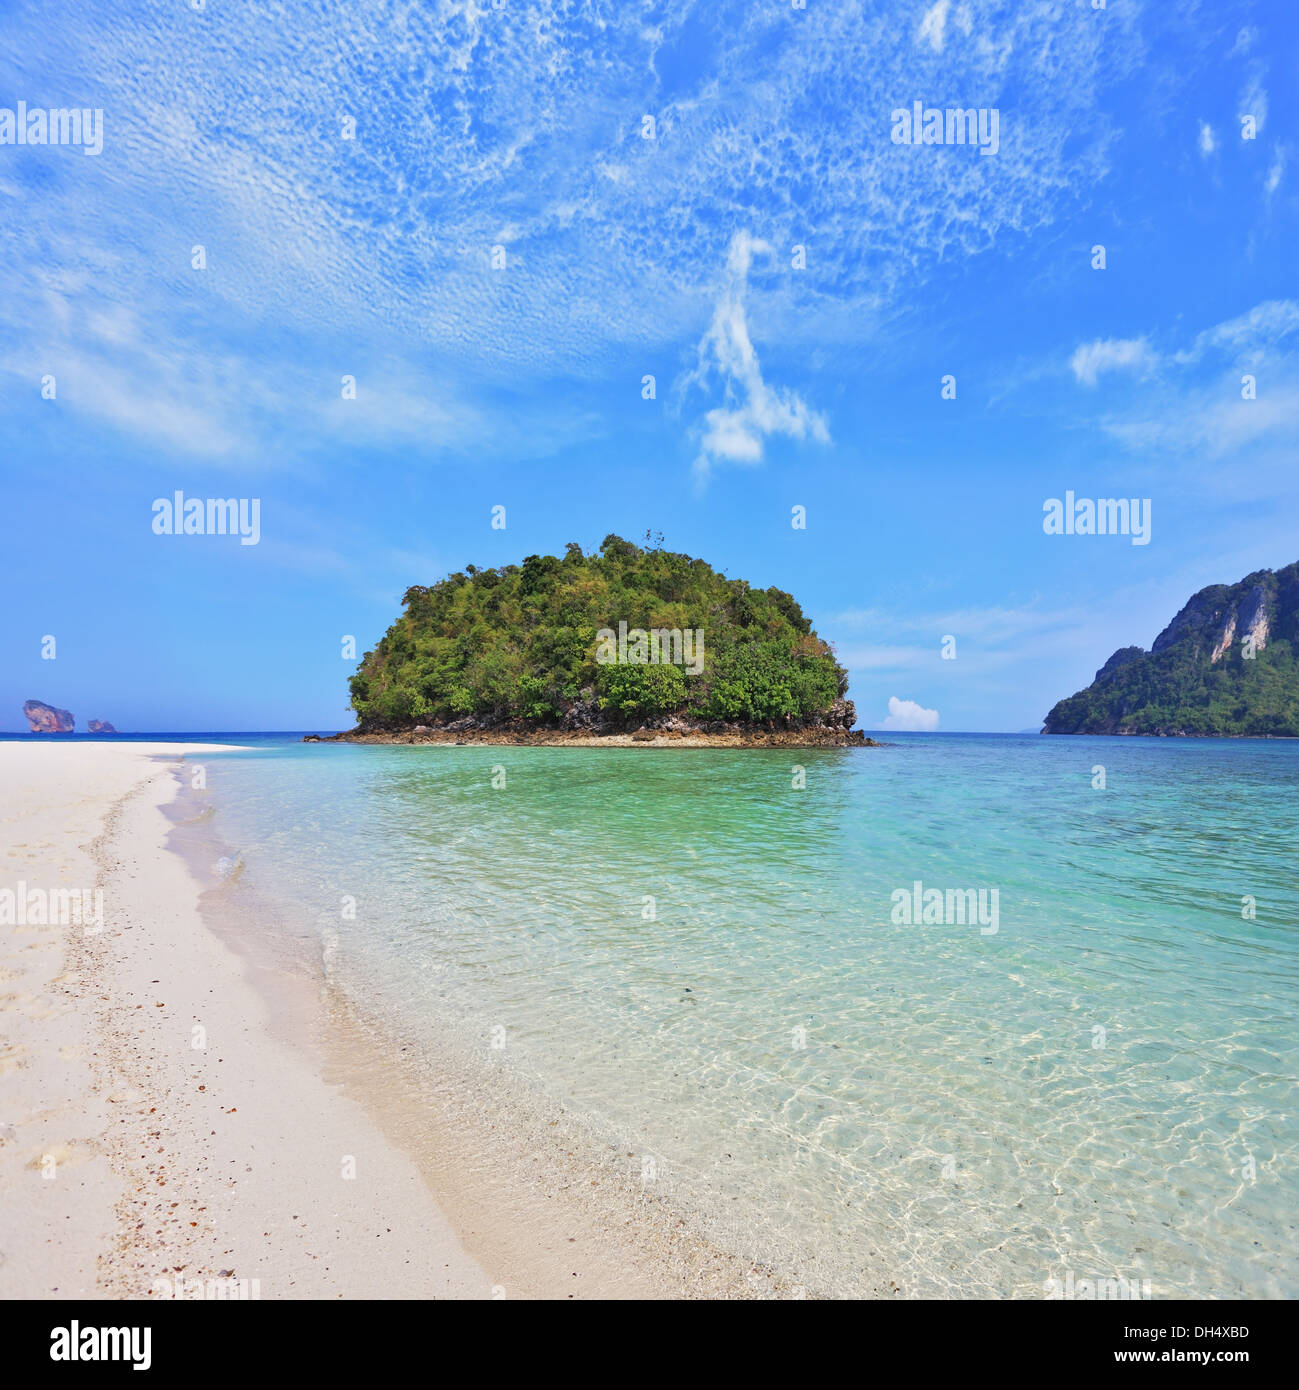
column 524, row 128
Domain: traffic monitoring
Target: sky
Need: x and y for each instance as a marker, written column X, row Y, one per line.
column 618, row 267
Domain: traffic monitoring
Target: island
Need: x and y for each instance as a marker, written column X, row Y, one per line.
column 1225, row 667
column 45, row 719
column 629, row 644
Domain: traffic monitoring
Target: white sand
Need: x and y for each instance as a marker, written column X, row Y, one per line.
column 166, row 1159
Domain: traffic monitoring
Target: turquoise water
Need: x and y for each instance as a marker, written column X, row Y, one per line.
column 1103, row 1085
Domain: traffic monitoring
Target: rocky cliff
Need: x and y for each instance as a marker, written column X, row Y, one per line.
column 1225, row 666
column 45, row 719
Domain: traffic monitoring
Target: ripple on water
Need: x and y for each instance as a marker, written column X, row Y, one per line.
column 699, row 962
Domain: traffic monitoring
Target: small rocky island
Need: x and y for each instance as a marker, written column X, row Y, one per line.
column 1225, row 667
column 45, row 719
column 627, row 645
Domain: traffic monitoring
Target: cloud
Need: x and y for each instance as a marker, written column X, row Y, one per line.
column 989, row 626
column 117, row 380
column 933, row 25
column 1245, row 39
column 1276, row 171
column 1253, row 101
column 1207, row 143
column 989, row 639
column 906, row 714
column 1248, row 334
column 1091, row 360
column 530, row 115
column 1198, row 405
column 1215, row 422
column 522, row 125
column 736, row 431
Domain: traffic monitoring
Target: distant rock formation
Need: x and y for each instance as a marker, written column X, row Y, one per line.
column 100, row 726
column 1226, row 666
column 45, row 719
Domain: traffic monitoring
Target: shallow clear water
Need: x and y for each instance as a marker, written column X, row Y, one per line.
column 1105, row 1085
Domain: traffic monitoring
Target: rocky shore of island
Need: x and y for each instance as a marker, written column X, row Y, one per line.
column 586, row 726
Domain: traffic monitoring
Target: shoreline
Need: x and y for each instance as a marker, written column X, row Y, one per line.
column 296, row 1147
column 543, row 1206
column 640, row 738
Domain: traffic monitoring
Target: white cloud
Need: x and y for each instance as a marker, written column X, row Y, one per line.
column 989, row 626
column 1196, row 406
column 526, row 116
column 1090, row 360
column 1214, row 423
column 1207, row 143
column 522, row 112
column 1249, row 334
column 906, row 714
column 1253, row 101
column 735, row 432
column 990, row 640
column 1276, row 172
column 933, row 25
column 1244, row 41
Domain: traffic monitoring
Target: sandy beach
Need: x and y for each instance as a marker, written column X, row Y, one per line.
column 154, row 1128
column 177, row 1118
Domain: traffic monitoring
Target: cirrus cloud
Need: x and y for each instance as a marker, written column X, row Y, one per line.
column 1091, row 360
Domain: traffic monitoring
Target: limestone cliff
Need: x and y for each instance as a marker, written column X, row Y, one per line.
column 1225, row 666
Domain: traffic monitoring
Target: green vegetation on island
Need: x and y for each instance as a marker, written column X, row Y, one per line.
column 1226, row 666
column 522, row 644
